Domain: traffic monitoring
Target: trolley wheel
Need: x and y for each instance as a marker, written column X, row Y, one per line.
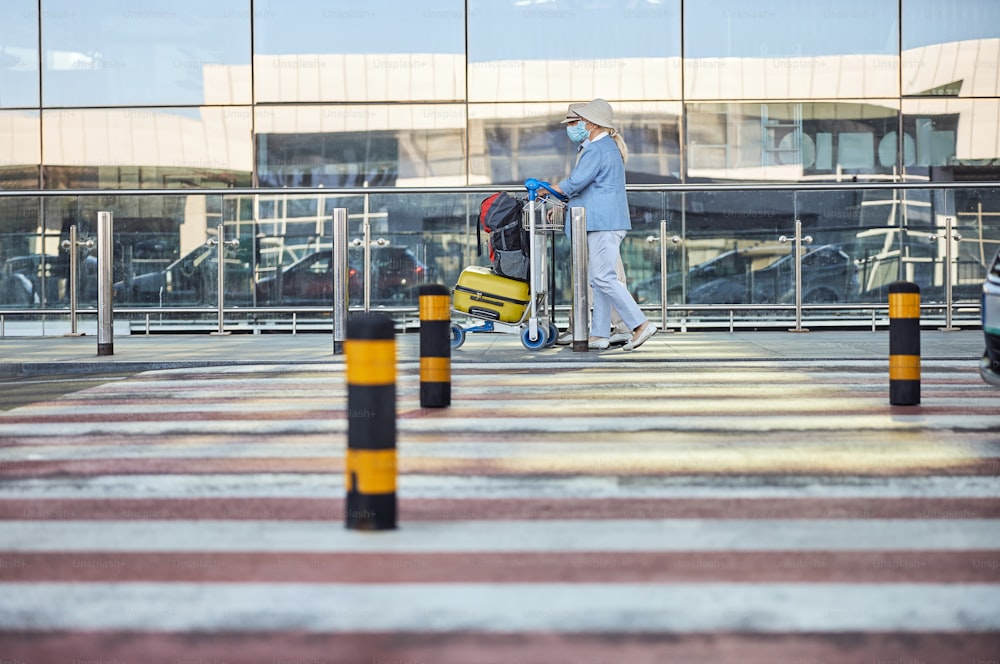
column 457, row 336
column 553, row 335
column 537, row 343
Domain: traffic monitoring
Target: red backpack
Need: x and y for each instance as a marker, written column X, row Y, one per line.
column 500, row 215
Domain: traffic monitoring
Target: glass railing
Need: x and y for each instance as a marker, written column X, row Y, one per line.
column 698, row 256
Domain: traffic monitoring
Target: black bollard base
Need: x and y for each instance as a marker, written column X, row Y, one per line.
column 370, row 512
column 904, row 392
column 435, row 395
column 105, row 349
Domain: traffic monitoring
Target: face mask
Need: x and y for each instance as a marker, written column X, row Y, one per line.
column 577, row 132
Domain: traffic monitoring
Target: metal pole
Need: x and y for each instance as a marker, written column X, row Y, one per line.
column 341, row 292
column 949, row 236
column 799, row 241
column 581, row 308
column 105, row 285
column 367, row 234
column 663, row 275
column 70, row 246
column 221, row 277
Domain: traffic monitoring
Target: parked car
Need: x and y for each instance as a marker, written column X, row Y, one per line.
column 16, row 290
column 989, row 367
column 829, row 275
column 762, row 275
column 50, row 271
column 396, row 275
column 191, row 280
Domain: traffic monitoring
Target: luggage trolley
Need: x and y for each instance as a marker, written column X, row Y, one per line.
column 508, row 305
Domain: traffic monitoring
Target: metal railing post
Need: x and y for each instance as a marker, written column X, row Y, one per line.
column 949, row 235
column 221, row 244
column 662, row 239
column 71, row 246
column 341, row 292
column 581, row 307
column 799, row 241
column 105, row 285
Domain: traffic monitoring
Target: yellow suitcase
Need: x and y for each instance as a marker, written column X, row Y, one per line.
column 484, row 294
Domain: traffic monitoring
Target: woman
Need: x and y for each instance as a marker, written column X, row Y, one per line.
column 597, row 184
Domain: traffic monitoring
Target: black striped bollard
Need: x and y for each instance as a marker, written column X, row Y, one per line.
column 904, row 343
column 370, row 466
column 435, row 346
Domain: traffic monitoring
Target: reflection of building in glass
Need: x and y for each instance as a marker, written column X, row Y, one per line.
column 449, row 93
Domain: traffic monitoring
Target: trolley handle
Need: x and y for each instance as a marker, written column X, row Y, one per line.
column 533, row 185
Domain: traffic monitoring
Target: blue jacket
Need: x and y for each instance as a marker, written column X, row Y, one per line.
column 597, row 184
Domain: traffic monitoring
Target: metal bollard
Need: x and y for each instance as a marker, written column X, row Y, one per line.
column 340, row 279
column 904, row 343
column 581, row 307
column 435, row 346
column 370, row 466
column 105, row 285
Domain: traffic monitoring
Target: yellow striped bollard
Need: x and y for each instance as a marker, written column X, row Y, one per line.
column 435, row 346
column 904, row 343
column 370, row 466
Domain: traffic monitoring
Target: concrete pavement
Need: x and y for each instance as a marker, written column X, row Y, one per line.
column 148, row 352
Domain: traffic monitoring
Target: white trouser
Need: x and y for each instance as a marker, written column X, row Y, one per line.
column 609, row 293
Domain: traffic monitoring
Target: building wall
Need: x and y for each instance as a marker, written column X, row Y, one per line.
column 196, row 94
column 116, row 93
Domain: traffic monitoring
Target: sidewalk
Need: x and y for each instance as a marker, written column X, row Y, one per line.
column 20, row 355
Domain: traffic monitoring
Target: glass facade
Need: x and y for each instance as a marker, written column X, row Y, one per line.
column 114, row 94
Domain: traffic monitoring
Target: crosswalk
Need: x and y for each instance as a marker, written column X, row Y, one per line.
column 635, row 512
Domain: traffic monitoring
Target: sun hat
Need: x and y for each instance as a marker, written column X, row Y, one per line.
column 599, row 112
column 571, row 115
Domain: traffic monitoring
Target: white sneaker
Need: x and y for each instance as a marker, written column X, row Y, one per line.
column 619, row 338
column 598, row 343
column 641, row 336
column 565, row 338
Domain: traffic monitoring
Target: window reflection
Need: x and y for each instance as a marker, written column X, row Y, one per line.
column 19, row 160
column 791, row 141
column 512, row 142
column 122, row 53
column 927, row 22
column 335, row 146
column 19, row 54
column 791, row 49
column 951, row 49
column 147, row 148
column 526, row 51
column 383, row 50
column 955, row 132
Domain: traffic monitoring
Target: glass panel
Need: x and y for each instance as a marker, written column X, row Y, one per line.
column 731, row 253
column 19, row 54
column 120, row 53
column 338, row 146
column 381, row 50
column 414, row 239
column 977, row 221
column 955, row 133
column 24, row 272
column 20, row 133
column 147, row 148
column 512, row 142
column 527, row 51
column 791, row 141
column 893, row 235
column 951, row 48
column 791, row 50
column 731, row 248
